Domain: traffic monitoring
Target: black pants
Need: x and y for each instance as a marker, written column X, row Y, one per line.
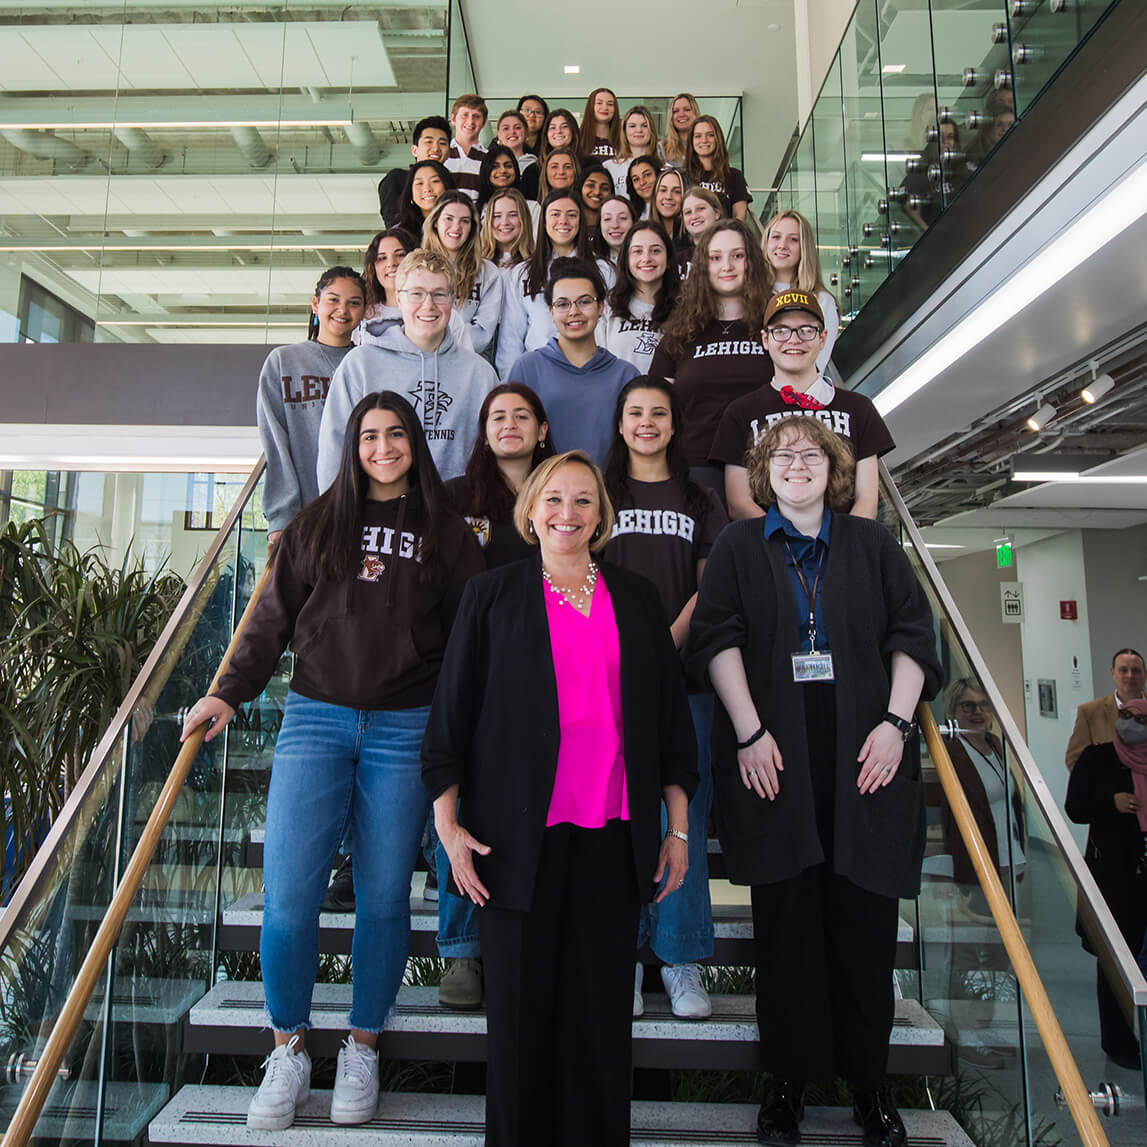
column 559, row 996
column 1115, row 1036
column 825, row 949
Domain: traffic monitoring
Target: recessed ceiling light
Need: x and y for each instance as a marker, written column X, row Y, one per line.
column 774, row 27
column 572, row 69
column 894, row 69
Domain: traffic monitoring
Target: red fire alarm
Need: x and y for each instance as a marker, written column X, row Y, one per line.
column 1068, row 611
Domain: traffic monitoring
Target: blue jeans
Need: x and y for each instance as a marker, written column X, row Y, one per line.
column 457, row 921
column 336, row 768
column 679, row 930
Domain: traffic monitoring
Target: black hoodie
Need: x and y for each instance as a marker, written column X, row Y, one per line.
column 372, row 641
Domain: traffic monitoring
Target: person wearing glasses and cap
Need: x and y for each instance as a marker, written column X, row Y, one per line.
column 1107, row 791
column 819, row 799
column 794, row 335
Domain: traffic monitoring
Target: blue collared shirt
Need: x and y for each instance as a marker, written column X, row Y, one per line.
column 808, row 553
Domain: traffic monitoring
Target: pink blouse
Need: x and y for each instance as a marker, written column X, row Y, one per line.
column 589, row 786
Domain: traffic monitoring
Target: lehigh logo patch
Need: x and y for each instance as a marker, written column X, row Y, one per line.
column 372, row 568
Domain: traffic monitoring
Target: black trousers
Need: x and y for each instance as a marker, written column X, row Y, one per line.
column 1115, row 1036
column 825, row 949
column 559, row 996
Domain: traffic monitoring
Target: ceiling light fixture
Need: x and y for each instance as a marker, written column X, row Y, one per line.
column 1106, row 218
column 1080, row 479
column 1099, row 385
column 572, row 69
column 894, row 69
column 1041, row 417
column 169, row 125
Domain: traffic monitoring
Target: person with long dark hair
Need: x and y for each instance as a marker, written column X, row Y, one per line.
column 600, row 134
column 640, row 180
column 558, row 171
column 666, row 525
column 559, row 726
column 292, row 389
column 499, row 171
column 707, row 163
column 644, row 295
column 513, row 439
column 594, row 187
column 431, row 140
column 533, row 109
column 426, row 181
column 364, row 585
column 560, row 130
column 614, row 220
column 526, row 322
column 711, row 344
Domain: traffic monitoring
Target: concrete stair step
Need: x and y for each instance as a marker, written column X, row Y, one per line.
column 70, row 1110
column 230, row 1019
column 198, row 1116
column 732, row 925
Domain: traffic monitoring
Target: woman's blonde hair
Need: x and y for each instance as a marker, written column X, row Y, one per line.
column 432, row 262
column 624, row 151
column 808, row 275
column 538, row 478
column 673, row 146
column 544, row 187
column 466, row 261
column 524, row 244
column 841, row 468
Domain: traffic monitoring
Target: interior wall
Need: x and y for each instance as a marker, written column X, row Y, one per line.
column 826, row 21
column 974, row 582
column 1115, row 560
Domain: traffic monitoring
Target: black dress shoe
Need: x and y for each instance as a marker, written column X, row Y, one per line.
column 778, row 1120
column 340, row 894
column 879, row 1119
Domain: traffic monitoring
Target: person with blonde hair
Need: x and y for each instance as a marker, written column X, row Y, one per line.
column 665, row 206
column 790, row 250
column 675, row 146
column 557, row 834
column 451, row 230
column 819, row 642
column 707, row 163
column 558, row 170
column 638, row 137
column 506, row 236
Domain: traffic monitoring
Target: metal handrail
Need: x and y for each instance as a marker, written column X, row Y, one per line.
column 1107, row 939
column 32, row 1101
column 1059, row 1055
column 34, row 879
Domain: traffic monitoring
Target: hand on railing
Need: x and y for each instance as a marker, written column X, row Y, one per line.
column 212, row 711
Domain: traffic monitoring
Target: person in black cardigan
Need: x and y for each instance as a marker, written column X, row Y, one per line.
column 559, row 895
column 819, row 802
column 1101, row 794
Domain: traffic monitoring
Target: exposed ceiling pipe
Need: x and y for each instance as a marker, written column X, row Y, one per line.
column 47, row 145
column 365, row 144
column 140, row 144
column 252, row 145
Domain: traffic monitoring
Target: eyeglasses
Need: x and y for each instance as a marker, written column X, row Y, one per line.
column 974, row 706
column 810, row 458
column 564, row 306
column 417, row 296
column 1138, row 718
column 805, row 333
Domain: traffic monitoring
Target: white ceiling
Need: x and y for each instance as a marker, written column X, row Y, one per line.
column 163, row 57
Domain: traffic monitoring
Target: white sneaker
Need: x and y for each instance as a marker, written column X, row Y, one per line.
column 286, row 1084
column 638, row 998
column 687, row 995
column 356, row 1083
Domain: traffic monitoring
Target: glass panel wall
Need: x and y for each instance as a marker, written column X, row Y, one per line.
column 185, row 172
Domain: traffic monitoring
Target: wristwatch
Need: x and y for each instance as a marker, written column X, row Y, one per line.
column 907, row 728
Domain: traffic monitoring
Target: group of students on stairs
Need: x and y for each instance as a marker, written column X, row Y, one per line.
column 513, row 591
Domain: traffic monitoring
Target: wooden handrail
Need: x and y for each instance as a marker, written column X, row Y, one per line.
column 23, row 1122
column 1058, row 1053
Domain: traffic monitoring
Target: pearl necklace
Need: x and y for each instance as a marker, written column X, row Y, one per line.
column 580, row 595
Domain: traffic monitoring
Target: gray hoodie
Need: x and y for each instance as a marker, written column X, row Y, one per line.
column 293, row 385
column 446, row 388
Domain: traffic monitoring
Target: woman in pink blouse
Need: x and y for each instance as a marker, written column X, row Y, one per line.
column 548, row 754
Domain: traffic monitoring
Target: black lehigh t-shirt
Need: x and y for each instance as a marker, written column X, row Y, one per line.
column 657, row 536
column 500, row 541
column 851, row 415
column 736, row 192
column 726, row 362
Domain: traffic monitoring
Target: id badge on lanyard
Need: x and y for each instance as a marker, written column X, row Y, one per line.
column 814, row 665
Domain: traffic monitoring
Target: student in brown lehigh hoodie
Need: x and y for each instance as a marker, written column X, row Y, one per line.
column 365, row 584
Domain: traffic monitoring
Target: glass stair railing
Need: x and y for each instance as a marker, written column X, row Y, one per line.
column 916, row 101
column 169, row 1019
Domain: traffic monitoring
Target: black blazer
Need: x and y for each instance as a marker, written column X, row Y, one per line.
column 493, row 727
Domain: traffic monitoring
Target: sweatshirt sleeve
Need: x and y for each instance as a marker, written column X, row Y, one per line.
column 347, row 388
column 910, row 625
column 831, row 326
column 282, row 499
column 484, row 322
column 269, row 628
column 512, row 335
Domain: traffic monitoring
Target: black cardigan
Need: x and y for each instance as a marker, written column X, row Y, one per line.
column 873, row 605
column 493, row 727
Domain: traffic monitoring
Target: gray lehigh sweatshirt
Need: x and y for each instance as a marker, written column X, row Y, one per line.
column 446, row 388
column 293, row 386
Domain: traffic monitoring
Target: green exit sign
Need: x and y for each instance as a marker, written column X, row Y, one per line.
column 1004, row 556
